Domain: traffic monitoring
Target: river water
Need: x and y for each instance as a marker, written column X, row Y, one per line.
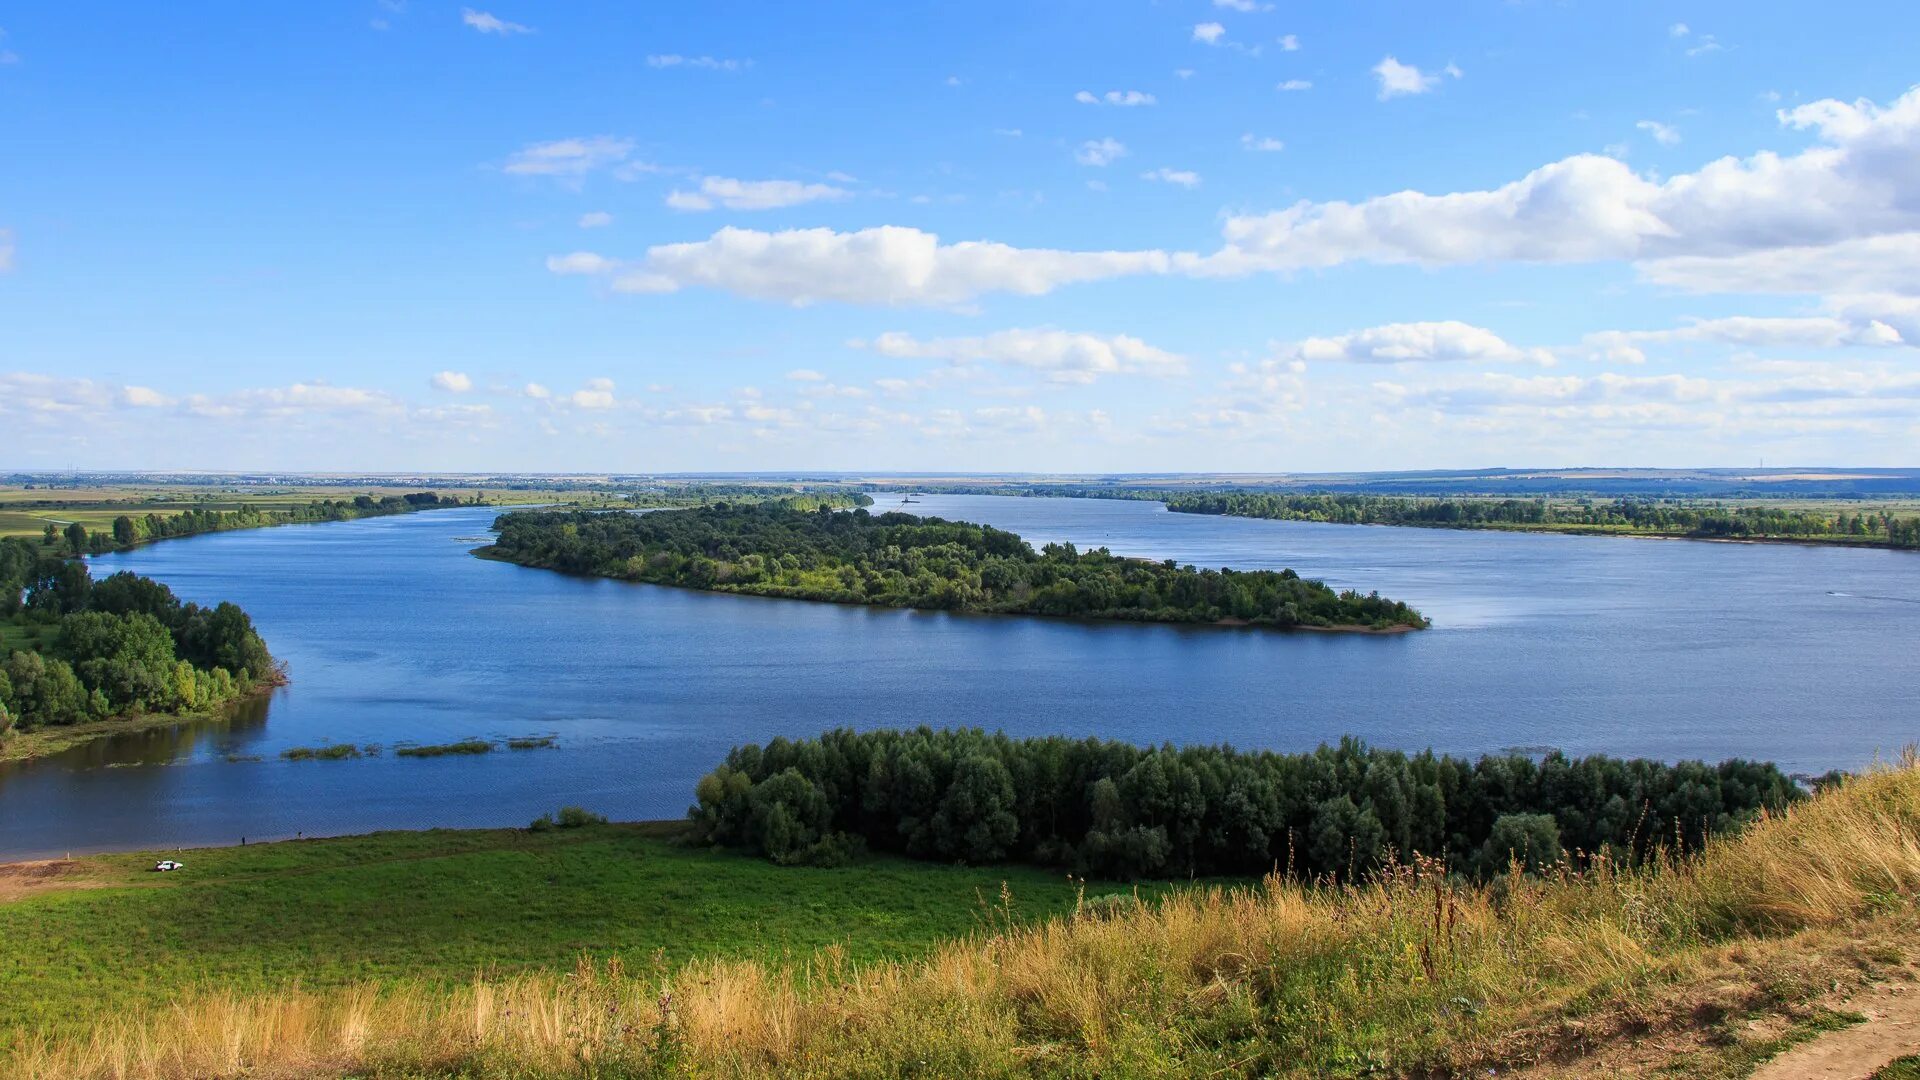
column 392, row 632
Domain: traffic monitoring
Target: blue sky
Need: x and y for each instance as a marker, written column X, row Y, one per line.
column 1053, row 236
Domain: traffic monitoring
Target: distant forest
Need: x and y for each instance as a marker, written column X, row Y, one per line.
column 898, row 560
column 1115, row 810
column 129, row 531
column 1651, row 517
column 78, row 649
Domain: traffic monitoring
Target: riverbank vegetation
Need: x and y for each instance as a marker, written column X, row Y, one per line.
column 1716, row 959
column 898, row 560
column 91, row 528
column 1640, row 517
column 79, row 652
column 1116, row 810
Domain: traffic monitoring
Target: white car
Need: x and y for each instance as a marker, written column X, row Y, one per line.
column 165, row 865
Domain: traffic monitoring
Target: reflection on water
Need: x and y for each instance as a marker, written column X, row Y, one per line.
column 166, row 745
column 392, row 632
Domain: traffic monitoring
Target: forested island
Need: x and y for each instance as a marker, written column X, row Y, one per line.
column 76, row 653
column 1111, row 809
column 1638, row 517
column 899, row 560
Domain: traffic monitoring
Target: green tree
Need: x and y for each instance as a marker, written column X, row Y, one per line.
column 77, row 538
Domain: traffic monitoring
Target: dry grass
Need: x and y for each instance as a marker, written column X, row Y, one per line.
column 1408, row 974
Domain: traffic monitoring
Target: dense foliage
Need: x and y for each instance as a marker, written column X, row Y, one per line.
column 121, row 645
column 1116, row 810
column 1626, row 515
column 128, row 531
column 905, row 561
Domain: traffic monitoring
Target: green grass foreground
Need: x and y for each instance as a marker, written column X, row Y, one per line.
column 105, row 933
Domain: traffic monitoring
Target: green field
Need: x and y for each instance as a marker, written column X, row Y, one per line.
column 444, row 906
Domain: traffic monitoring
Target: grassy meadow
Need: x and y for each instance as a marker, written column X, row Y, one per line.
column 1715, row 962
column 104, row 934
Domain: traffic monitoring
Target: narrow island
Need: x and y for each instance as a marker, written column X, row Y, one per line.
column 81, row 659
column 778, row 548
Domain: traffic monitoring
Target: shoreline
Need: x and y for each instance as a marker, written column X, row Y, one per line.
column 1571, row 530
column 41, row 743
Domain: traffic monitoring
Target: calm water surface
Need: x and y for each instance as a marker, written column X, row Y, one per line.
column 1669, row 649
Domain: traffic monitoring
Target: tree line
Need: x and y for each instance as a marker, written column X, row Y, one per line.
column 1652, row 516
column 899, row 560
column 1115, row 810
column 129, row 531
column 121, row 645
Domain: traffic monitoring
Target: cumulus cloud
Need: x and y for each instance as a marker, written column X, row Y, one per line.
column 1399, row 80
column 1799, row 332
column 1063, row 356
column 891, row 265
column 1290, row 43
column 1292, row 85
column 536, row 391
column 487, row 23
column 1591, row 208
column 1416, row 343
column 580, row 263
column 751, row 194
column 453, row 382
column 596, row 394
column 1185, row 178
column 1262, row 143
column 568, row 157
column 1124, row 98
column 1209, row 33
column 1243, row 6
column 1100, row 152
column 595, row 219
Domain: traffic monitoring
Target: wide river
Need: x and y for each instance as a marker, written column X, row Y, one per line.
column 392, row 632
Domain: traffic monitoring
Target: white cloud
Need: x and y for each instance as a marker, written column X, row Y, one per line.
column 595, row 219
column 751, row 194
column 705, row 63
column 1124, row 98
column 1261, row 143
column 1417, row 343
column 1664, row 134
column 1398, row 79
column 1063, row 356
column 1185, row 178
column 580, row 263
column 1243, row 6
column 1290, row 43
column 597, row 394
column 1100, row 151
column 1209, row 33
column 1292, row 85
column 891, row 265
column 536, row 391
column 1679, row 30
column 1724, row 227
column 142, row 397
column 806, row 375
column 1800, row 332
column 487, row 23
column 568, row 157
column 1708, row 44
column 453, row 382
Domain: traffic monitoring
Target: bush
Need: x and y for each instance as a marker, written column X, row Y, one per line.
column 573, row 817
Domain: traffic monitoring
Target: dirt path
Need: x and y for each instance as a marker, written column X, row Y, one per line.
column 1892, row 1031
column 20, row 879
